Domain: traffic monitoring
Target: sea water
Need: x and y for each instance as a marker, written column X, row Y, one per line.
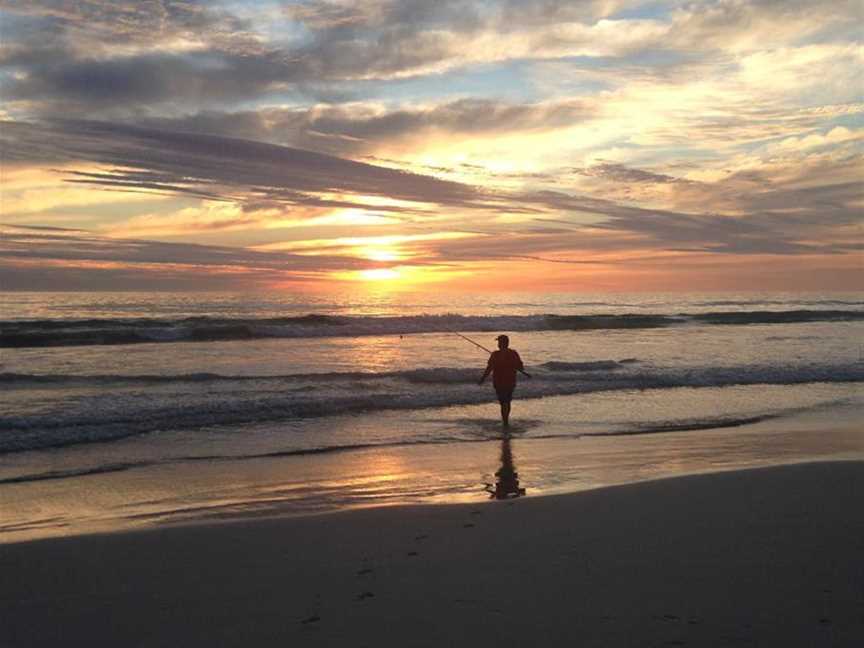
column 121, row 409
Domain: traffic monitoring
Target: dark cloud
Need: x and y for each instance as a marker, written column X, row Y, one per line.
column 832, row 198
column 665, row 234
column 807, row 197
column 111, row 56
column 20, row 55
column 457, row 15
column 64, row 276
column 624, row 174
column 133, row 82
column 356, row 128
column 222, row 168
column 54, row 258
column 40, row 228
column 756, row 232
column 88, row 24
column 461, row 116
column 57, row 244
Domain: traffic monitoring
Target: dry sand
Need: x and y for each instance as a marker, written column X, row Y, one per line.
column 766, row 557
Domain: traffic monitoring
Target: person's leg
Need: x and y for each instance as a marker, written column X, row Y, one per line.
column 505, row 413
column 505, row 395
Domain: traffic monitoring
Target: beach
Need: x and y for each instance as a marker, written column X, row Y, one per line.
column 762, row 557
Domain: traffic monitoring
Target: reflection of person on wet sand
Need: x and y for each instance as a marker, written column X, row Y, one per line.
column 503, row 365
column 506, row 477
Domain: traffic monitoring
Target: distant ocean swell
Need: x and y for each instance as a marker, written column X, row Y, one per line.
column 46, row 333
column 123, row 406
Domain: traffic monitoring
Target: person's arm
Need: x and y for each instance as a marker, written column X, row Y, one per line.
column 487, row 372
column 520, row 367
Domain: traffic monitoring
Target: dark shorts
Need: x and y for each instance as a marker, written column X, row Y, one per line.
column 505, row 393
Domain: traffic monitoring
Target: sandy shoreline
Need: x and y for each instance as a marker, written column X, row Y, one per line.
column 765, row 557
column 165, row 492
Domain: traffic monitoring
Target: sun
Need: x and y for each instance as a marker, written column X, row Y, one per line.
column 399, row 276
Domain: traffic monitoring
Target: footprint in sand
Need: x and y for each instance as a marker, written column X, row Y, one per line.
column 667, row 617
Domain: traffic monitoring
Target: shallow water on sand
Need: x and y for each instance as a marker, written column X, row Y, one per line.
column 557, row 445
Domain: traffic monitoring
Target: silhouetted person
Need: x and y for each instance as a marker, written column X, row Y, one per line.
column 503, row 365
column 506, row 478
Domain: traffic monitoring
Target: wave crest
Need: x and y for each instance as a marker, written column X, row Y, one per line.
column 48, row 333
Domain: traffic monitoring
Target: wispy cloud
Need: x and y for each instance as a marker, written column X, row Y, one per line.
column 222, row 168
column 363, row 127
column 764, row 213
column 70, row 258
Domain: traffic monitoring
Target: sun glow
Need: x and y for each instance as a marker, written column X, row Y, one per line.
column 379, row 274
column 402, row 276
column 378, row 254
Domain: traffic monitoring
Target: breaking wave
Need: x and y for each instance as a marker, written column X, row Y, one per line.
column 122, row 406
column 49, row 333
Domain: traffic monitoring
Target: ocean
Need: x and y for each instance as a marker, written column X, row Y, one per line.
column 122, row 410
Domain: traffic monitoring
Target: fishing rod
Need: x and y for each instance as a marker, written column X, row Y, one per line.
column 465, row 337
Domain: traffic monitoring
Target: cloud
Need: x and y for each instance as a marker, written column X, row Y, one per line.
column 802, row 212
column 224, row 168
column 131, row 82
column 206, row 52
column 105, row 27
column 749, row 25
column 621, row 173
column 819, row 188
column 784, row 212
column 836, row 135
column 36, row 258
column 113, row 56
column 363, row 127
column 550, row 129
column 72, row 245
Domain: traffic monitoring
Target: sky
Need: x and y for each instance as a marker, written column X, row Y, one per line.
column 454, row 145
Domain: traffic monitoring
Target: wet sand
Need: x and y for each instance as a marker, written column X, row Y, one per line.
column 765, row 557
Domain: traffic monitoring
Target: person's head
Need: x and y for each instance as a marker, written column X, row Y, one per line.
column 503, row 341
